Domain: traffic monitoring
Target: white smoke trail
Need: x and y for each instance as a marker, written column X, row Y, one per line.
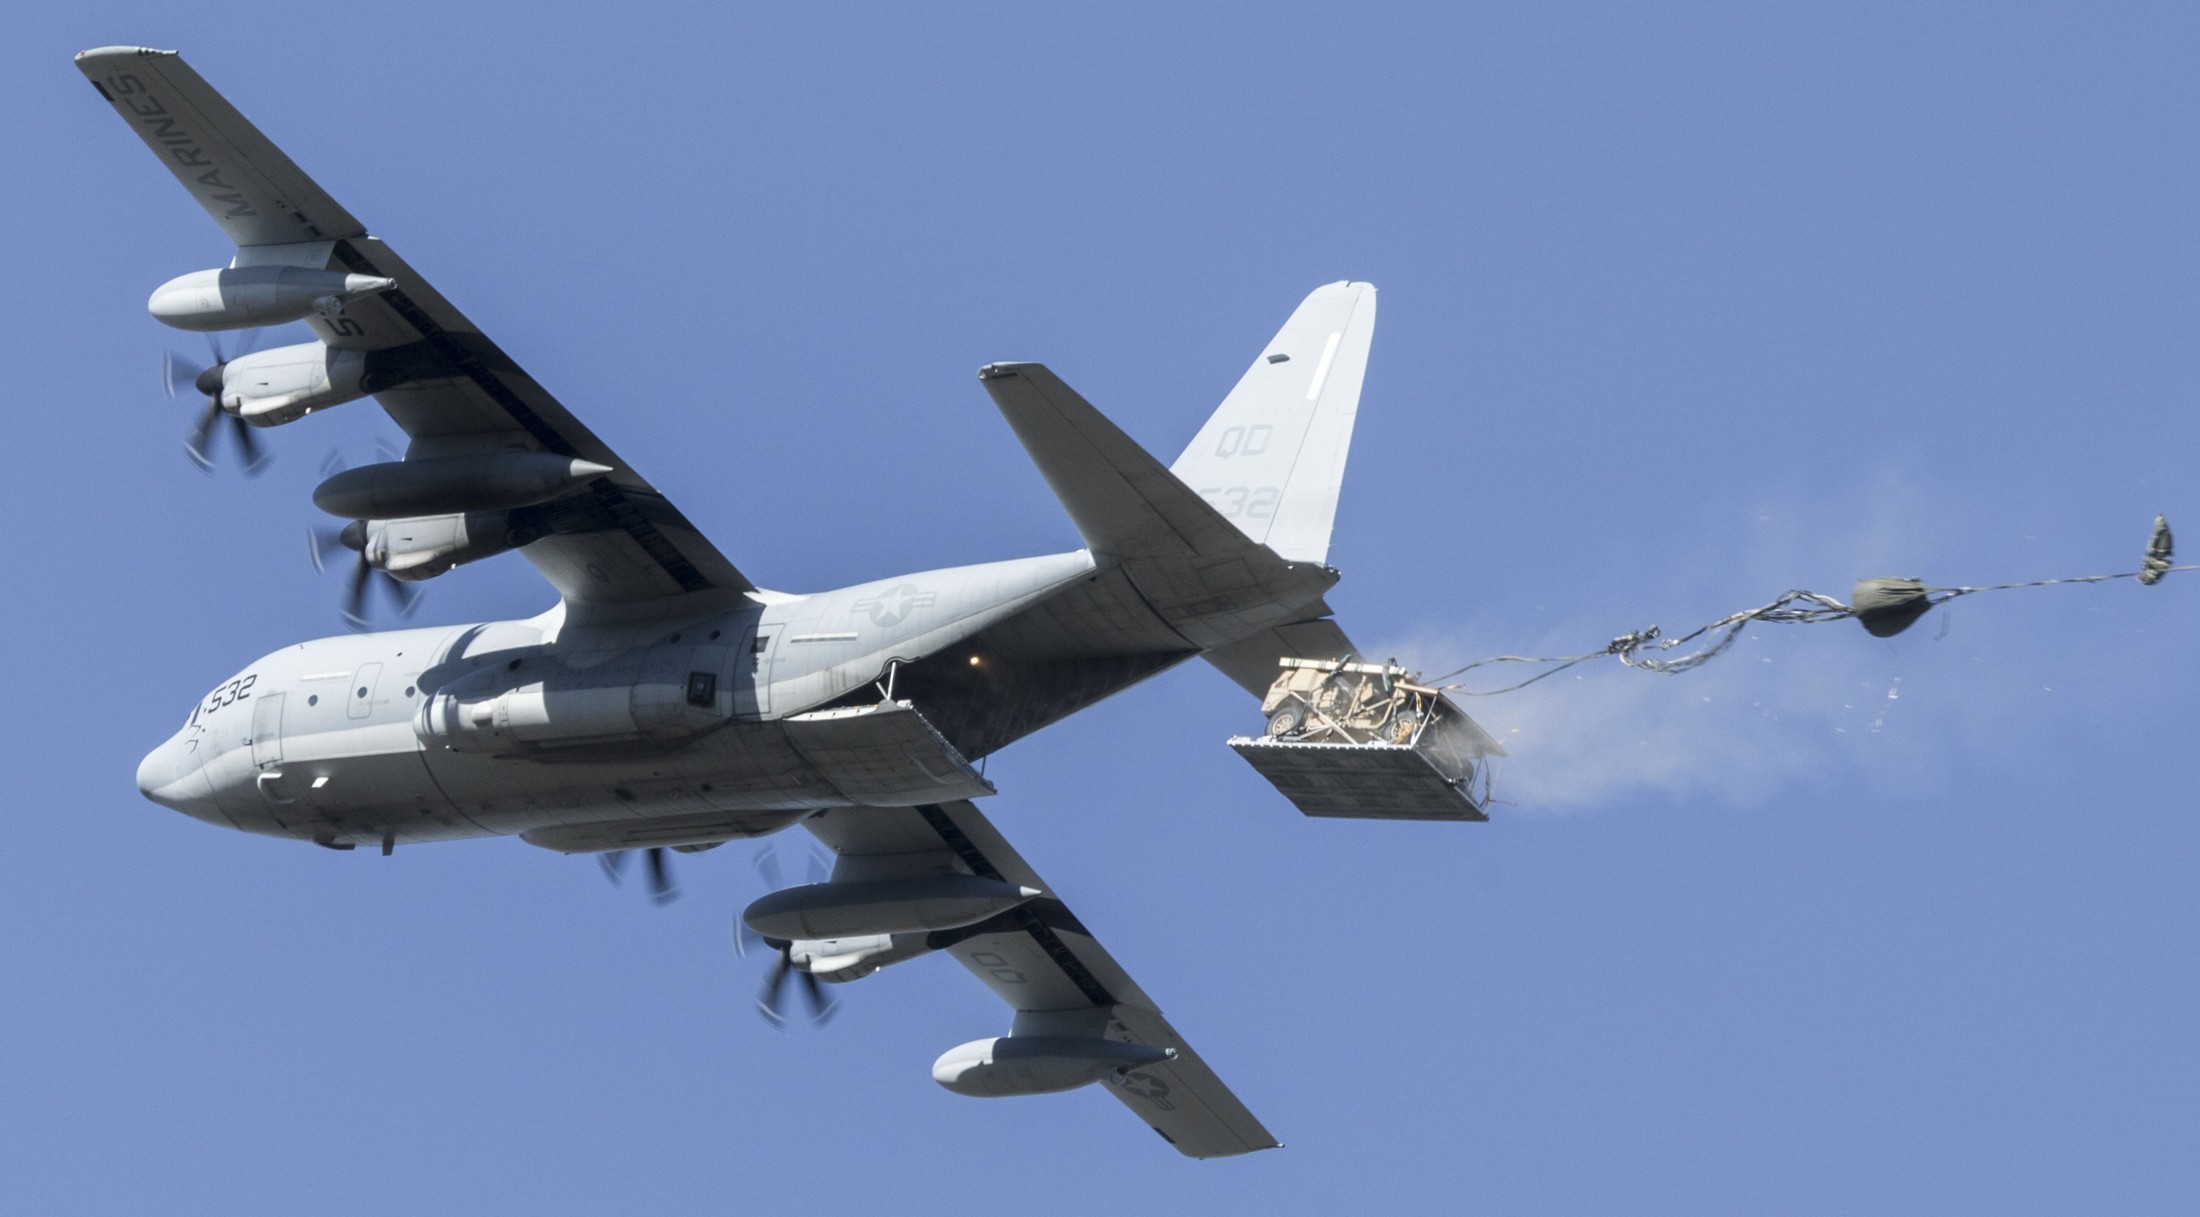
column 1767, row 714
column 1790, row 708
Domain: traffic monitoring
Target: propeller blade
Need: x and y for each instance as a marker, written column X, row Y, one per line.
column 385, row 452
column 821, row 1007
column 205, row 380
column 613, row 864
column 248, row 341
column 199, row 446
column 768, row 868
column 248, row 445
column 771, row 998
column 320, row 544
column 355, row 596
column 358, row 596
column 177, row 372
column 406, row 595
column 746, row 940
column 767, row 998
column 662, row 889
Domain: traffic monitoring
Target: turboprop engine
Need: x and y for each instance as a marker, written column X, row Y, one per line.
column 240, row 297
column 882, row 907
column 423, row 547
column 283, row 384
column 392, row 553
column 1038, row 1064
column 837, row 960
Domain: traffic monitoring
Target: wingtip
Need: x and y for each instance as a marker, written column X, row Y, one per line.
column 119, row 51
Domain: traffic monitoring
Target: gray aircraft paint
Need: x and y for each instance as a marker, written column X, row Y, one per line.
column 667, row 700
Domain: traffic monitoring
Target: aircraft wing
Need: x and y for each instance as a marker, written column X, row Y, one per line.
column 616, row 540
column 1050, row 969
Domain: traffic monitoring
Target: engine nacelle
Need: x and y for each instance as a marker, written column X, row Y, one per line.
column 844, row 959
column 1038, row 1064
column 910, row 905
column 283, row 384
column 451, row 485
column 423, row 547
column 244, row 296
column 661, row 696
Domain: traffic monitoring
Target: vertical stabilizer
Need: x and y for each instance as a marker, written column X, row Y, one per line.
column 1271, row 459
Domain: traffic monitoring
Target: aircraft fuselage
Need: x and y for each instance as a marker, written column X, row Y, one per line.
column 736, row 722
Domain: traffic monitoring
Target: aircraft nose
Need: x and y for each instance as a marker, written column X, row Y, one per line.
column 172, row 777
column 158, row 769
column 164, row 778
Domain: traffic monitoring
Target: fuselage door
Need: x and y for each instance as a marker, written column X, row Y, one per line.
column 752, row 675
column 267, row 730
column 359, row 699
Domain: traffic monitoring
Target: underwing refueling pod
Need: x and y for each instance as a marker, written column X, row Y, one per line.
column 452, row 485
column 242, row 297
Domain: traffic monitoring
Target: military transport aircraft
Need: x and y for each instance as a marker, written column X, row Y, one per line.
column 667, row 702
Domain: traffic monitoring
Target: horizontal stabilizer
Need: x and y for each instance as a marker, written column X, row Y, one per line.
column 1123, row 501
column 1252, row 663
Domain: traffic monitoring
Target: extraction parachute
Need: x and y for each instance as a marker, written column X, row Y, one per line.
column 1884, row 606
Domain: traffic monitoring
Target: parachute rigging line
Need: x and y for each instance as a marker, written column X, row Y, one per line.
column 1884, row 606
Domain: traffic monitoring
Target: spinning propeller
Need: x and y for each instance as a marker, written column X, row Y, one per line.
column 662, row 889
column 322, row 542
column 177, row 371
column 770, row 999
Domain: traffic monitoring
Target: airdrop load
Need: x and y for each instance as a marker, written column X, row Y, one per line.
column 1368, row 741
column 1339, row 702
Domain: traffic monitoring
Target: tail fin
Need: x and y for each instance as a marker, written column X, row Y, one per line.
column 1271, row 459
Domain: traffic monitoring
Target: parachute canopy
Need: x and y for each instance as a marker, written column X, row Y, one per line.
column 1886, row 607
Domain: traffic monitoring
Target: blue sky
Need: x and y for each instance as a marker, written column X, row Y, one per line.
column 1682, row 306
